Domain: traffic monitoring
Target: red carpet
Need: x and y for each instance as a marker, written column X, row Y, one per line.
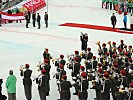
column 96, row 27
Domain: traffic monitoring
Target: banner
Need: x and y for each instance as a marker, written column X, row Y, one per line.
column 19, row 16
column 34, row 5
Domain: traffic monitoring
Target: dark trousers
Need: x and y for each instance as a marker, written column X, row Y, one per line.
column 102, row 4
column 27, row 23
column 0, row 22
column 34, row 21
column 131, row 27
column 42, row 95
column 125, row 25
column 38, row 24
column 19, row 21
column 46, row 23
column 27, row 89
column 11, row 96
column 113, row 23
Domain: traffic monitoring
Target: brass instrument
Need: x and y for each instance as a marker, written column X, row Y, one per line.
column 39, row 65
column 55, row 59
column 22, row 67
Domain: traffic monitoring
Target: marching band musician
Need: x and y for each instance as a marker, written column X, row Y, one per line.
column 130, row 91
column 83, row 87
column 47, row 55
column 76, row 67
column 94, row 63
column 121, row 44
column 89, row 54
column 76, row 85
column 105, row 93
column 99, row 48
column 27, row 82
column 77, row 55
column 65, row 89
column 129, row 51
column 62, row 71
column 98, row 85
column 47, row 67
column 104, row 49
column 61, row 61
column 42, row 85
column 59, row 77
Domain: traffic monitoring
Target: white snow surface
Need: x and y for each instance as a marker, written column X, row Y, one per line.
column 19, row 45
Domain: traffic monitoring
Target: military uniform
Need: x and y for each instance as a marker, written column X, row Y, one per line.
column 76, row 69
column 34, row 19
column 38, row 20
column 42, row 84
column 47, row 56
column 46, row 19
column 27, row 82
column 65, row 90
column 27, row 19
column 83, row 94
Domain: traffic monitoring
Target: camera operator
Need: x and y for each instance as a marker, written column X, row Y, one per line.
column 2, row 97
column 11, row 86
column 84, row 40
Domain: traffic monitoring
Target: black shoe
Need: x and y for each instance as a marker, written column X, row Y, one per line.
column 34, row 26
column 27, row 27
column 47, row 93
column 38, row 28
column 58, row 99
column 76, row 93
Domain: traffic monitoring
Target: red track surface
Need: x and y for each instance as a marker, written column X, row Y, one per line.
column 96, row 27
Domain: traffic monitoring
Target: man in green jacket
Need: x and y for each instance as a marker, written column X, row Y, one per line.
column 11, row 86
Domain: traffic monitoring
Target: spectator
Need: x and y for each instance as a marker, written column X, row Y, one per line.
column 131, row 22
column 125, row 20
column 11, row 86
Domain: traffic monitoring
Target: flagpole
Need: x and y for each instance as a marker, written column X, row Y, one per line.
column 47, row 6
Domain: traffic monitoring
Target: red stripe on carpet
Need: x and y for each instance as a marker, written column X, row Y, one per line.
column 96, row 27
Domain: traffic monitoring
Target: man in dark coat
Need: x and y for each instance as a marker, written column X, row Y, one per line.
column 83, row 87
column 0, row 19
column 42, row 84
column 27, row 82
column 84, row 40
column 27, row 20
column 38, row 20
column 65, row 88
column 34, row 19
column 113, row 20
column 29, row 16
column 46, row 19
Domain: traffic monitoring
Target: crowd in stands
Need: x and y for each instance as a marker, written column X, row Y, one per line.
column 123, row 5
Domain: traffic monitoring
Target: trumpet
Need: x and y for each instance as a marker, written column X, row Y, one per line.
column 22, row 67
column 55, row 59
column 39, row 65
column 39, row 76
column 109, row 42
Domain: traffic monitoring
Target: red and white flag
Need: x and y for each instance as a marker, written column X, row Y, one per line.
column 6, row 16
